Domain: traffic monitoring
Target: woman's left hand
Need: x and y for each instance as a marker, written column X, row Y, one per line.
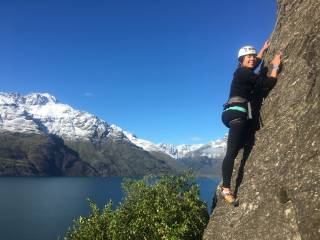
column 276, row 60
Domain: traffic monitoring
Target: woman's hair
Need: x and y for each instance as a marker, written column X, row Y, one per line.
column 240, row 60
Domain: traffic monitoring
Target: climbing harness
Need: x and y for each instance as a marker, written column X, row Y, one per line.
column 238, row 108
column 232, row 105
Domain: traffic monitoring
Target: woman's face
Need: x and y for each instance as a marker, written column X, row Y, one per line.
column 249, row 60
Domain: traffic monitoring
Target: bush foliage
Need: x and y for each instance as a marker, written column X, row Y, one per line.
column 153, row 208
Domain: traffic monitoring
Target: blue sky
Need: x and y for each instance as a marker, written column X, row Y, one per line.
column 158, row 68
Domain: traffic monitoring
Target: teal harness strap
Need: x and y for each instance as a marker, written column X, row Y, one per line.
column 241, row 109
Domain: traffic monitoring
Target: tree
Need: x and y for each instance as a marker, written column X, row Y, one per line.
column 153, row 208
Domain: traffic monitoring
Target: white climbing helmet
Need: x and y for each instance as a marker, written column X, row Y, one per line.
column 246, row 50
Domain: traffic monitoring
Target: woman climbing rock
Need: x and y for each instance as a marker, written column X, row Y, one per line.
column 237, row 110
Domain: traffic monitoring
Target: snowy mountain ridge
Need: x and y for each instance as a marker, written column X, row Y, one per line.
column 43, row 113
column 213, row 149
column 37, row 113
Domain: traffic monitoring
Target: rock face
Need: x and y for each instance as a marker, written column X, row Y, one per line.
column 279, row 194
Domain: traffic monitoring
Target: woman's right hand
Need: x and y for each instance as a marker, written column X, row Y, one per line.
column 276, row 63
column 276, row 60
column 266, row 45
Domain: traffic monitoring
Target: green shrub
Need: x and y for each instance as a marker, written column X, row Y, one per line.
column 154, row 208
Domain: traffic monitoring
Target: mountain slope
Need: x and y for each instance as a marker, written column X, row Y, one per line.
column 105, row 147
column 121, row 158
column 108, row 148
column 204, row 159
column 24, row 154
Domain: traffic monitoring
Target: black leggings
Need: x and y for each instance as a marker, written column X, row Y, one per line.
column 237, row 123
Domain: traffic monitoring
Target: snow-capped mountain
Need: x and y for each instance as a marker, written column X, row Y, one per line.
column 213, row 149
column 179, row 151
column 42, row 113
column 36, row 113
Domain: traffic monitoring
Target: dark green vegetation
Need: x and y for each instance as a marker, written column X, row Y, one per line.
column 165, row 208
column 39, row 155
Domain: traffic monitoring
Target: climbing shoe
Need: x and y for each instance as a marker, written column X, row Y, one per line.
column 228, row 196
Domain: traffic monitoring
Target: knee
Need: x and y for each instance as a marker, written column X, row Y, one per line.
column 231, row 154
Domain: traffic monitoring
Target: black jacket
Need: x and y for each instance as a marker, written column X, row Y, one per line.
column 245, row 81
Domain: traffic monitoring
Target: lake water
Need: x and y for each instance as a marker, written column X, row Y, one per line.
column 43, row 208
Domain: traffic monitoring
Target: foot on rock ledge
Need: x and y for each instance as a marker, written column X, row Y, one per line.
column 228, row 196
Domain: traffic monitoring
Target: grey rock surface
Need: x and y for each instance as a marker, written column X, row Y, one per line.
column 279, row 195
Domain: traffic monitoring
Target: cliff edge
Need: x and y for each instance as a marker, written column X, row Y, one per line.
column 279, row 192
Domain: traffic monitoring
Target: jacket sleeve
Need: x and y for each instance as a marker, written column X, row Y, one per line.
column 267, row 83
column 247, row 75
column 257, row 64
column 256, row 81
column 261, row 81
